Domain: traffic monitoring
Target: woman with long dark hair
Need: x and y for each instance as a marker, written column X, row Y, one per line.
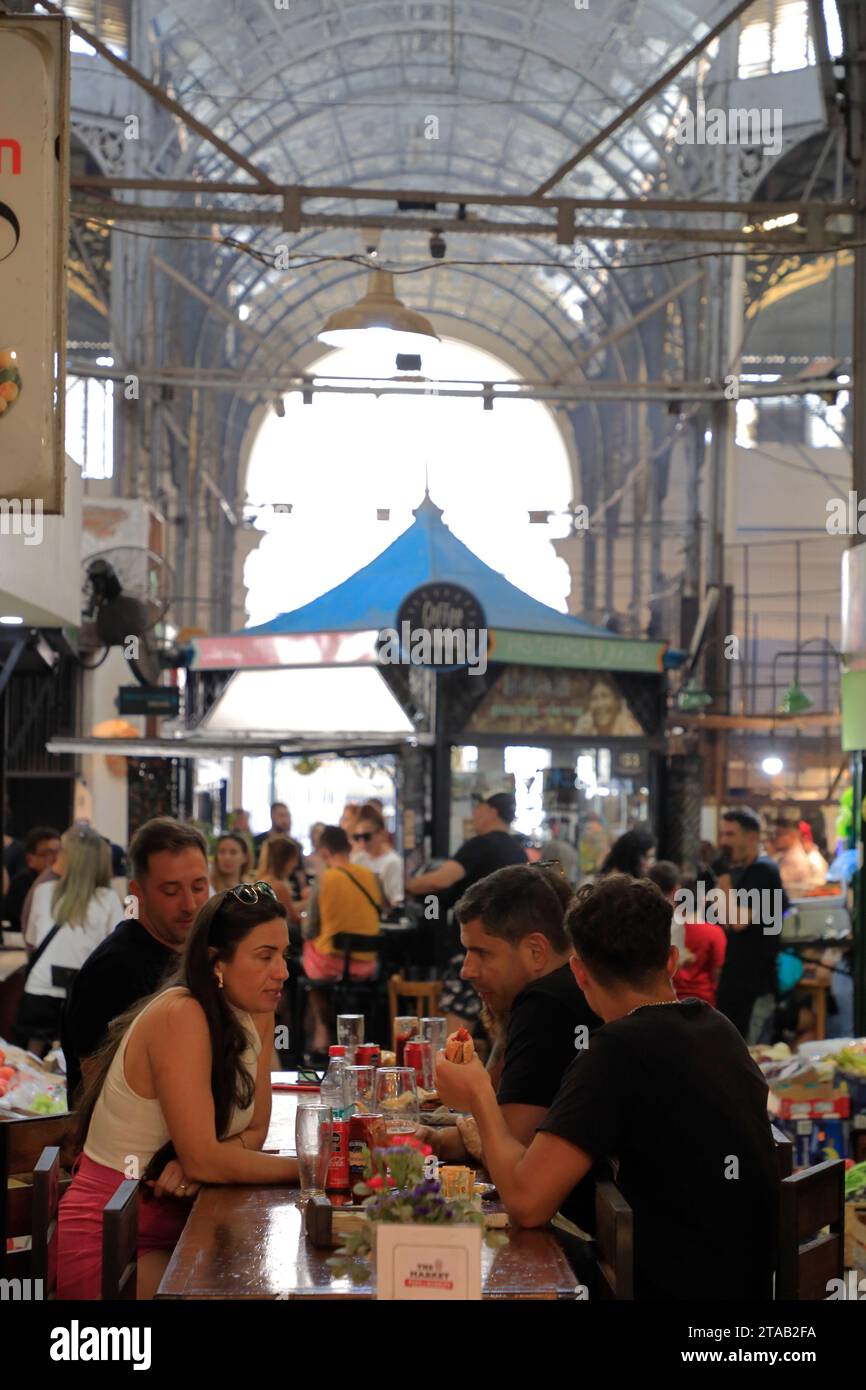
column 631, row 854
column 181, row 1093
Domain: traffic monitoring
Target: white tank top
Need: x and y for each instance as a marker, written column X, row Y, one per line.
column 125, row 1126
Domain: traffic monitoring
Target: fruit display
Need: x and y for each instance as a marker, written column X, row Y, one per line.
column 26, row 1086
column 10, row 380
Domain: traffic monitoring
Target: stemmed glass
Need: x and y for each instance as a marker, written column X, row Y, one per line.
column 397, row 1101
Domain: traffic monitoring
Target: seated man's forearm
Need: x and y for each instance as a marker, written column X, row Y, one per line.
column 449, row 1147
column 502, row 1154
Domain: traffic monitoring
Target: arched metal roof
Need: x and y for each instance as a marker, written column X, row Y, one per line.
column 328, row 92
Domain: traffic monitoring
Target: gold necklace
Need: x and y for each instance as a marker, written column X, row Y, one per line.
column 653, row 1004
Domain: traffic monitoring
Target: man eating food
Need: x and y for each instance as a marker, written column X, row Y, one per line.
column 517, row 953
column 666, row 1092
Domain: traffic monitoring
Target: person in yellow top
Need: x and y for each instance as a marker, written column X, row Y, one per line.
column 346, row 897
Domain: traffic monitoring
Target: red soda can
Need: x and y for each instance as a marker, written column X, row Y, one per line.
column 418, row 1053
column 365, row 1132
column 338, row 1167
column 368, row 1055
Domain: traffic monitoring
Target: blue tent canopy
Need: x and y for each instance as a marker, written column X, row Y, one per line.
column 426, row 552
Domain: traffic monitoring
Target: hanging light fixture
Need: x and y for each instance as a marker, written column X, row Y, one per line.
column 382, row 314
column 795, row 700
column 693, row 698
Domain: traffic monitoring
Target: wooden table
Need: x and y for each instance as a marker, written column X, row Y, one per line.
column 249, row 1242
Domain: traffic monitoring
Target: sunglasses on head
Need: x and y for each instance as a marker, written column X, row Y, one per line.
column 250, row 893
column 363, row 835
column 550, row 864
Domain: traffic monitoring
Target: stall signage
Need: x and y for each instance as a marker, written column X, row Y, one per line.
column 426, row 1262
column 588, row 653
column 139, row 699
column 34, row 184
column 440, row 626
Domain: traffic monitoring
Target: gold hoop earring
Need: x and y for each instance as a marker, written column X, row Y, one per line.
column 219, row 978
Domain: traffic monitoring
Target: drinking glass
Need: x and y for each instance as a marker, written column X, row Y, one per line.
column 313, row 1141
column 350, row 1033
column 434, row 1030
column 361, row 1089
column 397, row 1101
column 418, row 1053
column 405, row 1027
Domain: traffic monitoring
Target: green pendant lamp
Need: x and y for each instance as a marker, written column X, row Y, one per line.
column 795, row 700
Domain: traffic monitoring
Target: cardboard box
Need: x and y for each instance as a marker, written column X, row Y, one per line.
column 804, row 1103
column 855, row 1236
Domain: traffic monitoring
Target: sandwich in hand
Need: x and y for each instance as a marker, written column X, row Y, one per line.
column 459, row 1047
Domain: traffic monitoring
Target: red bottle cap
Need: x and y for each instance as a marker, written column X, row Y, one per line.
column 336, row 1050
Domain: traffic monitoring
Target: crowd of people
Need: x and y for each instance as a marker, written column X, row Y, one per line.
column 609, row 1014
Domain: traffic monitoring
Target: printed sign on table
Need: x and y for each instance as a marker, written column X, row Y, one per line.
column 428, row 1262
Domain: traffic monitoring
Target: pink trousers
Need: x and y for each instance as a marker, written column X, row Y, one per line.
column 79, row 1227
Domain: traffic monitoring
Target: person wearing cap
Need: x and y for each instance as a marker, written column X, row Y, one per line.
column 492, row 847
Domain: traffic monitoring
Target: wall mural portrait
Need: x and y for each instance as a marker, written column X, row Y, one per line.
column 533, row 700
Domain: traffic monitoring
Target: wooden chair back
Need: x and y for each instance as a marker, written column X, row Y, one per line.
column 614, row 1233
column 810, row 1255
column 424, row 994
column 784, row 1152
column 48, row 1188
column 120, row 1243
column 22, row 1146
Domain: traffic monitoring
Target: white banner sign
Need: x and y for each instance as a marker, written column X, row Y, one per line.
column 34, row 182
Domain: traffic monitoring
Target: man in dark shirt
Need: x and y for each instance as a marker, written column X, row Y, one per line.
column 281, row 824
column 491, row 847
column 41, row 848
column 666, row 1092
column 753, row 917
column 170, row 884
column 517, row 954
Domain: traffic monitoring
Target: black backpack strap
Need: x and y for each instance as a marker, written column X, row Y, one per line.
column 361, row 889
column 41, row 949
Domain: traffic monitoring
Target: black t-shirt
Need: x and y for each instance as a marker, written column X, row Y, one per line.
column 671, row 1096
column 483, row 854
column 125, row 967
column 542, row 1037
column 750, row 961
column 13, row 903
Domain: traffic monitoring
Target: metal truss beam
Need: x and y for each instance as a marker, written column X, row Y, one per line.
column 816, row 237
column 354, row 194
column 270, row 386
